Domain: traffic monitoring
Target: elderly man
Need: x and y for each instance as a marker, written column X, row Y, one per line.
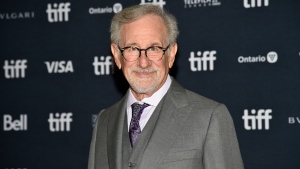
column 158, row 124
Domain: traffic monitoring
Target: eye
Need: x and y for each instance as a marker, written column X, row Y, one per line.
column 153, row 49
column 133, row 49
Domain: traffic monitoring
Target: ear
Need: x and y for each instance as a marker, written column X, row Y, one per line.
column 115, row 51
column 173, row 51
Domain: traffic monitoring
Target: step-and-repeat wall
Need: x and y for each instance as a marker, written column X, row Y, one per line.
column 57, row 73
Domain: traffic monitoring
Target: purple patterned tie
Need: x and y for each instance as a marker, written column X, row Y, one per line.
column 134, row 128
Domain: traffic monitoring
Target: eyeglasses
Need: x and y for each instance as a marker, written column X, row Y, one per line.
column 153, row 53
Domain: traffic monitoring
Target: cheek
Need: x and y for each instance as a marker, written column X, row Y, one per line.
column 166, row 65
column 126, row 68
column 163, row 70
column 125, row 71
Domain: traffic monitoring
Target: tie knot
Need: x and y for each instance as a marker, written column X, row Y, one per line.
column 137, row 109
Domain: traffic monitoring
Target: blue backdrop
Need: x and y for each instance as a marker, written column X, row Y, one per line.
column 57, row 73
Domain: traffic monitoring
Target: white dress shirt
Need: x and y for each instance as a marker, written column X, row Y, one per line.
column 153, row 101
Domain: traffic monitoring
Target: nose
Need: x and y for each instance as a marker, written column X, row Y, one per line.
column 143, row 61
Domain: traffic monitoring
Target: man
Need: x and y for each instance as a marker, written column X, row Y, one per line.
column 158, row 124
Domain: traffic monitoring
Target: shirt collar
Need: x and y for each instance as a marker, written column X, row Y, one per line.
column 155, row 98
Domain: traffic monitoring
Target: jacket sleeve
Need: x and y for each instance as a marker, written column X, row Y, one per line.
column 221, row 149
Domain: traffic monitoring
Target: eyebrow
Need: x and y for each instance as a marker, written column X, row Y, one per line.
column 152, row 44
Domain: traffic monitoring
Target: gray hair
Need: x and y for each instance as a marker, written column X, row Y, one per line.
column 135, row 12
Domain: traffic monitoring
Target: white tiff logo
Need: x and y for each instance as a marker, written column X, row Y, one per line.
column 202, row 63
column 255, row 3
column 102, row 67
column 14, row 69
column 59, row 12
column 17, row 125
column 256, row 120
column 60, row 122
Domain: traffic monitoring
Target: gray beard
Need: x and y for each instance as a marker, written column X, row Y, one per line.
column 141, row 90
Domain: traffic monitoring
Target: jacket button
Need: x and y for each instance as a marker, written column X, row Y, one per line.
column 130, row 164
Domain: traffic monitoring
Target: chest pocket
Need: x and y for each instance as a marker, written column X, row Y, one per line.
column 182, row 155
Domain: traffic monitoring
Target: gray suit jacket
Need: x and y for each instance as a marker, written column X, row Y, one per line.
column 186, row 131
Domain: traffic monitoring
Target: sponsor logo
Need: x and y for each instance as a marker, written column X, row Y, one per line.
column 16, row 15
column 102, row 66
column 16, row 125
column 94, row 119
column 271, row 57
column 256, row 120
column 117, row 7
column 14, row 69
column 204, row 63
column 59, row 66
column 58, row 12
column 201, row 3
column 60, row 122
column 160, row 3
column 294, row 120
column 255, row 3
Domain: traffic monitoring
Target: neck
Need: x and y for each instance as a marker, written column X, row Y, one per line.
column 141, row 96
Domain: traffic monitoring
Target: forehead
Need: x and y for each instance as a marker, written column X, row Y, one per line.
column 147, row 29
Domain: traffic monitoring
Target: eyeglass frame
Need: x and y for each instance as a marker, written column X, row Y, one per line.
column 140, row 51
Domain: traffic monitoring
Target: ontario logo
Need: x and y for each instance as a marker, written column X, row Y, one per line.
column 271, row 57
column 116, row 8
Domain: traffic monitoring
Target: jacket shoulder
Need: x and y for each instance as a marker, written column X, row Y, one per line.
column 104, row 113
column 195, row 97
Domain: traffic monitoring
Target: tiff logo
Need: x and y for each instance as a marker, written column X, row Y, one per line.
column 255, row 3
column 251, row 121
column 160, row 3
column 14, row 69
column 60, row 122
column 59, row 12
column 17, row 125
column 102, row 67
column 293, row 120
column 59, row 66
column 201, row 63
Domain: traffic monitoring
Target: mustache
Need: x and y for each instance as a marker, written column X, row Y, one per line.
column 146, row 70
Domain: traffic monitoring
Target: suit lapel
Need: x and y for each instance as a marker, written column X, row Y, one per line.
column 115, row 133
column 172, row 117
